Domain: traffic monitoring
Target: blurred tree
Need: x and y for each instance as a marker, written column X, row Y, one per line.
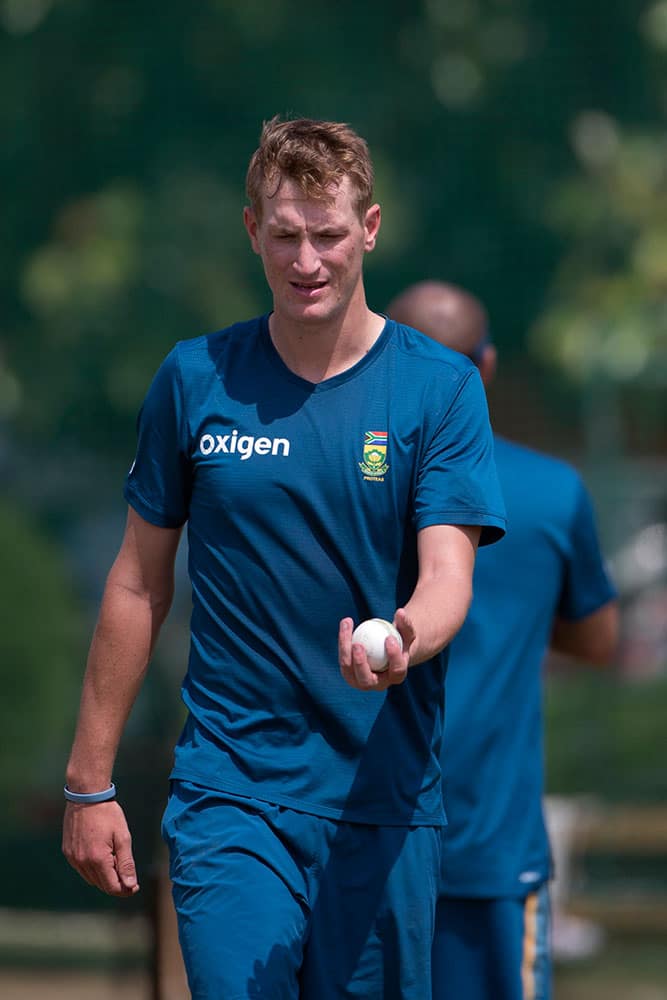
column 41, row 653
column 568, row 218
column 127, row 141
column 605, row 325
column 127, row 137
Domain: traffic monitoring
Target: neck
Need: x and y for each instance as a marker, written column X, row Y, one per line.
column 318, row 351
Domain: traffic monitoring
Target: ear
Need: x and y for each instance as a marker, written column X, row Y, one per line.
column 371, row 227
column 488, row 364
column 252, row 226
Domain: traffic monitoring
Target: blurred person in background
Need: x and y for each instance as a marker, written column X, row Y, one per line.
column 305, row 808
column 544, row 586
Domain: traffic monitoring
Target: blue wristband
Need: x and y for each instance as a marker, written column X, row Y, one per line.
column 90, row 798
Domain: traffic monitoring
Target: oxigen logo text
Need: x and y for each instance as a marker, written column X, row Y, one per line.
column 244, row 445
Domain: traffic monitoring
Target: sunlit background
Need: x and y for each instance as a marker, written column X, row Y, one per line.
column 521, row 151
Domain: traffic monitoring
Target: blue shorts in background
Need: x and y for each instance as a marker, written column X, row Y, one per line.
column 279, row 904
column 493, row 949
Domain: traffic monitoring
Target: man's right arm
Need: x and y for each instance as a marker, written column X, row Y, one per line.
column 137, row 598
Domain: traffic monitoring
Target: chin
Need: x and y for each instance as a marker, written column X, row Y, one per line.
column 312, row 313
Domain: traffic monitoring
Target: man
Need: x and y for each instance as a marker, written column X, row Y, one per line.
column 544, row 585
column 331, row 466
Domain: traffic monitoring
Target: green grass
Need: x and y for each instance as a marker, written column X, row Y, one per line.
column 604, row 736
column 627, row 969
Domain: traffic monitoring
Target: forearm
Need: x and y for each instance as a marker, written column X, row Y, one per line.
column 441, row 598
column 437, row 609
column 123, row 640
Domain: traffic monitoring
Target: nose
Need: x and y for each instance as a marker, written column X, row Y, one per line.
column 307, row 260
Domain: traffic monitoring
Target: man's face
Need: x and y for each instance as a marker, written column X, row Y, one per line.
column 312, row 250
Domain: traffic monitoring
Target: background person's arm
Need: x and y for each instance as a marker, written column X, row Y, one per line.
column 137, row 598
column 593, row 638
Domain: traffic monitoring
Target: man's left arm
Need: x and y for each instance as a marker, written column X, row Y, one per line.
column 431, row 617
column 440, row 601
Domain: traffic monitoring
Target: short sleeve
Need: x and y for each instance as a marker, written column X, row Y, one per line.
column 458, row 482
column 158, row 485
column 587, row 584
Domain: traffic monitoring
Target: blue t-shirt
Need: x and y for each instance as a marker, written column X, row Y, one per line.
column 303, row 503
column 548, row 564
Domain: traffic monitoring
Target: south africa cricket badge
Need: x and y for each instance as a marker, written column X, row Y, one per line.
column 374, row 464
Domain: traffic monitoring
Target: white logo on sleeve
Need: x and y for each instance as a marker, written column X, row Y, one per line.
column 529, row 876
column 244, row 445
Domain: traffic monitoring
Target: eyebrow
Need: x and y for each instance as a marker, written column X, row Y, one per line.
column 326, row 229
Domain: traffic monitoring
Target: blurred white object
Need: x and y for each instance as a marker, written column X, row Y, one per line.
column 572, row 937
column 640, row 570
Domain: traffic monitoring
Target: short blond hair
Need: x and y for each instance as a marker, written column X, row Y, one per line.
column 315, row 155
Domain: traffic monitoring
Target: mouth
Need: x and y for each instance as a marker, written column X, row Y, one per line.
column 307, row 288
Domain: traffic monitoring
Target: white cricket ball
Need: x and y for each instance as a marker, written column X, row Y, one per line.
column 371, row 634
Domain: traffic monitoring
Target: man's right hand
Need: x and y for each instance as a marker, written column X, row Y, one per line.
column 98, row 845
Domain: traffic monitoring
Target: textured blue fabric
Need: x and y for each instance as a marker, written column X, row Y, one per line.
column 279, row 904
column 303, row 503
column 548, row 564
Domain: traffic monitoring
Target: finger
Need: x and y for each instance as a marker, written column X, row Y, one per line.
column 365, row 678
column 74, row 849
column 345, row 629
column 99, row 872
column 86, row 875
column 403, row 622
column 345, row 650
column 406, row 629
column 124, row 865
column 106, row 877
column 397, row 662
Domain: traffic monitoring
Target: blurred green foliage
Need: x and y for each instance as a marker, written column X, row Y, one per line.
column 41, row 652
column 519, row 148
column 609, row 314
column 603, row 737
